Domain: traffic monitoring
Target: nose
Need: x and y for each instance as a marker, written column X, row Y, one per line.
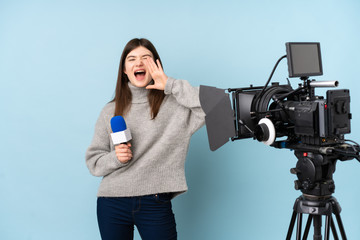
column 139, row 62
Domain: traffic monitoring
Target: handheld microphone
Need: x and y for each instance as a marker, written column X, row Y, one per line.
column 120, row 133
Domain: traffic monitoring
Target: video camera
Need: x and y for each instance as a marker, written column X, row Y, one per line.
column 267, row 112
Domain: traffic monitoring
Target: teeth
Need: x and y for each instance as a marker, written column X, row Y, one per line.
column 141, row 71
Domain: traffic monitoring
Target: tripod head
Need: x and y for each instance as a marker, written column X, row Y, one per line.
column 314, row 173
column 315, row 167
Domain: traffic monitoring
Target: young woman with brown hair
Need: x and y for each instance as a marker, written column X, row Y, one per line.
column 140, row 178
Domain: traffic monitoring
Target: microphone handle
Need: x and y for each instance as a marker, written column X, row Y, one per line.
column 121, row 137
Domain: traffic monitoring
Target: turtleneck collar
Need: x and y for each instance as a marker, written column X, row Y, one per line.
column 139, row 95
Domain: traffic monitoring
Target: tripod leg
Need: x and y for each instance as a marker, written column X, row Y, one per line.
column 307, row 228
column 291, row 226
column 333, row 229
column 327, row 227
column 341, row 226
column 298, row 229
column 317, row 227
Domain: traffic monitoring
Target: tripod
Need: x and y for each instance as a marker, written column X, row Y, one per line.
column 315, row 180
column 316, row 207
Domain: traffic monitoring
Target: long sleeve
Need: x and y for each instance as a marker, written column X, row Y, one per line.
column 100, row 159
column 187, row 96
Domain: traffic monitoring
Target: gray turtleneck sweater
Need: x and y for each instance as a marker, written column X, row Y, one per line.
column 159, row 146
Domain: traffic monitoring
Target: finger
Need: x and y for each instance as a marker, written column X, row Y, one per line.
column 150, row 64
column 150, row 67
column 154, row 65
column 125, row 145
column 121, row 147
column 151, row 87
column 159, row 65
column 123, row 156
column 124, row 160
column 146, row 62
column 126, row 151
column 122, row 150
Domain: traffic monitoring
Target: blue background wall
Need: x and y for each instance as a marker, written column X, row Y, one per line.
column 58, row 67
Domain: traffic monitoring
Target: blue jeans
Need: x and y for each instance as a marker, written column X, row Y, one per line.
column 152, row 215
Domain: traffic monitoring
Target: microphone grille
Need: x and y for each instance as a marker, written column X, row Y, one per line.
column 117, row 124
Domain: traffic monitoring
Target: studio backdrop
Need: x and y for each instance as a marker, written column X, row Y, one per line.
column 58, row 68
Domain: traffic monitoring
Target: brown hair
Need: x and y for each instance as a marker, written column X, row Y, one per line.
column 123, row 95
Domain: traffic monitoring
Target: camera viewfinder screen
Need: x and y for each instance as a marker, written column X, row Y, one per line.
column 304, row 59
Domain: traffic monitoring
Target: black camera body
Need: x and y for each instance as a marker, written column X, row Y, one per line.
column 302, row 116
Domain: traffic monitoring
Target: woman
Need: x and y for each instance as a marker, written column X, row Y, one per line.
column 140, row 178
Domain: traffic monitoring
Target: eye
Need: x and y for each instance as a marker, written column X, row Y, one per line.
column 131, row 59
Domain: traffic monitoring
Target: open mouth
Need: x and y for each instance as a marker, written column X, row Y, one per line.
column 140, row 74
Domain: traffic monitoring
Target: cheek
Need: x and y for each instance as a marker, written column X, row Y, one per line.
column 149, row 78
column 127, row 68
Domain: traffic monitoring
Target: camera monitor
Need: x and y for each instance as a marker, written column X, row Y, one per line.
column 304, row 59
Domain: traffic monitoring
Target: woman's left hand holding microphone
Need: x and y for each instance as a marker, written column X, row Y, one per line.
column 123, row 152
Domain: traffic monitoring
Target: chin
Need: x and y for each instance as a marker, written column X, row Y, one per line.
column 139, row 84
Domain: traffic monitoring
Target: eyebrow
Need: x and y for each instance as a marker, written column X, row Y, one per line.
column 145, row 55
